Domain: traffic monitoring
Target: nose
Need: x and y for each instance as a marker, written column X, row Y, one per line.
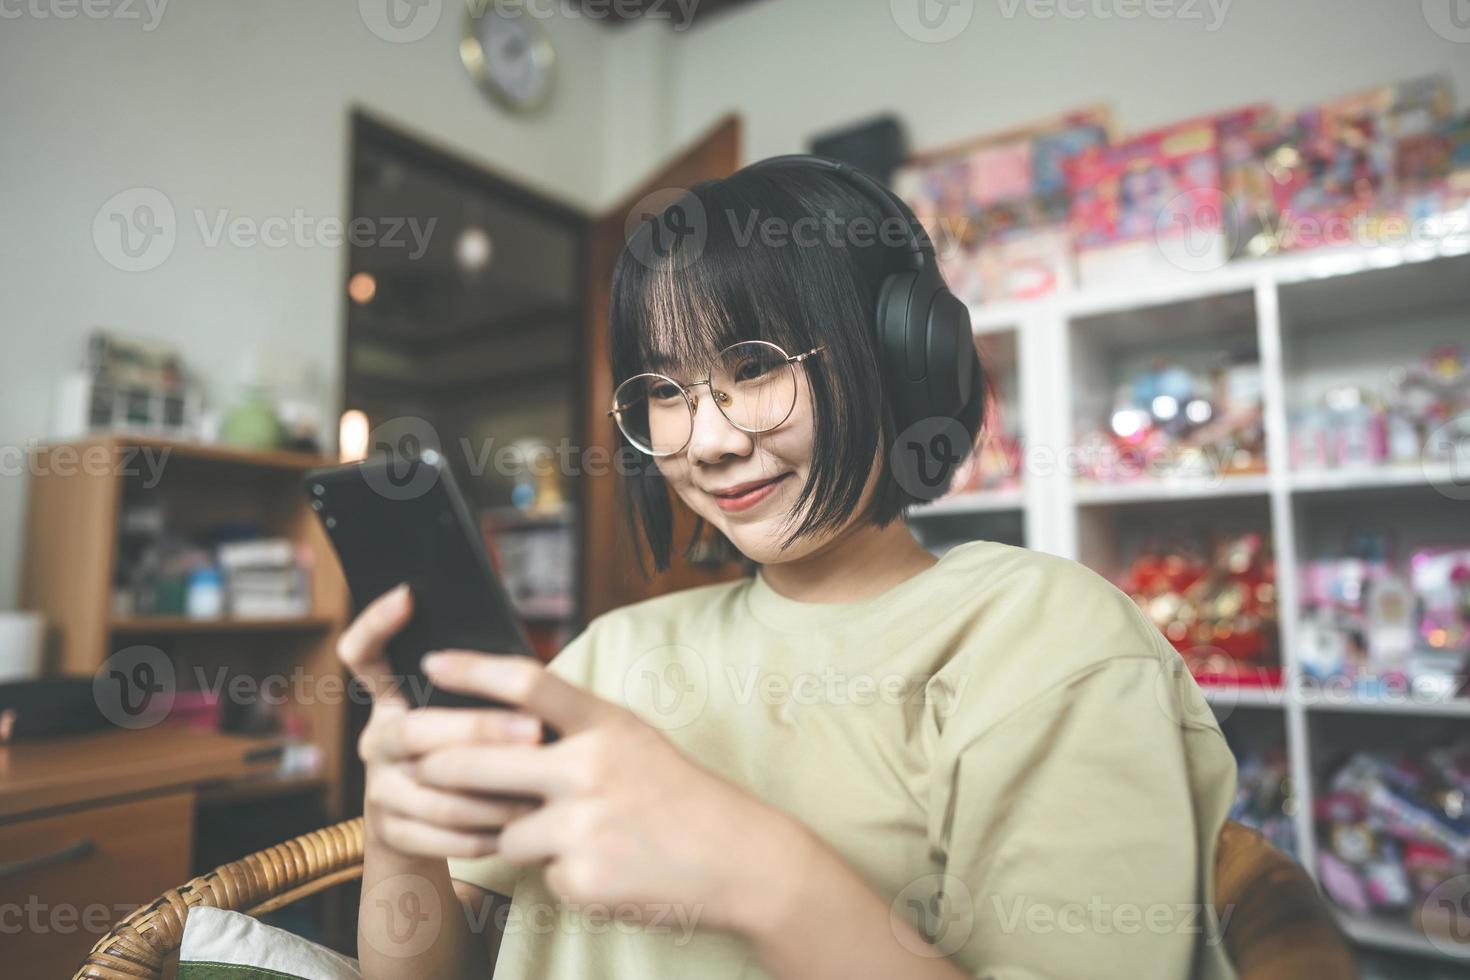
column 714, row 438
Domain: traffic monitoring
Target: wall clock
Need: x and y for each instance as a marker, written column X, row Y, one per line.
column 508, row 55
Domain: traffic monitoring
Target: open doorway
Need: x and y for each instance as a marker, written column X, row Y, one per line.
column 465, row 326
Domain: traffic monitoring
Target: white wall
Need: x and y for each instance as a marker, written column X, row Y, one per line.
column 798, row 67
column 227, row 104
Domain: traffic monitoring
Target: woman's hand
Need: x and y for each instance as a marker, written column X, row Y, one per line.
column 626, row 819
column 403, row 813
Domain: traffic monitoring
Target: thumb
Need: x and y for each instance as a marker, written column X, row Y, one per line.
column 363, row 645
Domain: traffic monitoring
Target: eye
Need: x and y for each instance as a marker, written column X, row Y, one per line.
column 752, row 369
column 663, row 391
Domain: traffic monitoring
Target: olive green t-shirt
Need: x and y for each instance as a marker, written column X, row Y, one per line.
column 1002, row 746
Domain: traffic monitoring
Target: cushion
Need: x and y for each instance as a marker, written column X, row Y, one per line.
column 221, row 945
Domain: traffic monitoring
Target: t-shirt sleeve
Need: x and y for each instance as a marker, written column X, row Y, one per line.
column 493, row 873
column 1077, row 830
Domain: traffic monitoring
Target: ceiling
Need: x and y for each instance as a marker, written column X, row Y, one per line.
column 425, row 297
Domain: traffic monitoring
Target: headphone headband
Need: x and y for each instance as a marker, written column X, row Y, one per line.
column 919, row 246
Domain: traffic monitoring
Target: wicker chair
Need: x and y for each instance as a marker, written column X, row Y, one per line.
column 1279, row 929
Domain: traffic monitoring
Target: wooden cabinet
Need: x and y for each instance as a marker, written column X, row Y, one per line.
column 68, row 877
column 92, row 826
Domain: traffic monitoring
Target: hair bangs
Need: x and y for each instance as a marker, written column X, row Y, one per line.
column 676, row 307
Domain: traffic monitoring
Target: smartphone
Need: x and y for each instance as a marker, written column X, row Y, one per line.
column 394, row 519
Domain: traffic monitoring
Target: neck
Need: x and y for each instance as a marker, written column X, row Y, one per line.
column 857, row 564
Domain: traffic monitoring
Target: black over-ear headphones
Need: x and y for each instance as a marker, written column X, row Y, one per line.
column 925, row 345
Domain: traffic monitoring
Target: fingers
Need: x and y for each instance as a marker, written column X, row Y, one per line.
column 503, row 770
column 545, row 833
column 393, row 791
column 520, row 681
column 408, row 836
column 402, row 734
column 361, row 645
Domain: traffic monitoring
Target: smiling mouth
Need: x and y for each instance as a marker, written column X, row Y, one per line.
column 747, row 495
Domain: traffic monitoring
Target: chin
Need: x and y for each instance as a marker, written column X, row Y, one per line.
column 762, row 544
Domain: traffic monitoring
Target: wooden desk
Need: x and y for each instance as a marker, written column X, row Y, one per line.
column 93, row 825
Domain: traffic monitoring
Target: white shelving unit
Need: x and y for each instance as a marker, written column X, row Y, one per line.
column 1342, row 314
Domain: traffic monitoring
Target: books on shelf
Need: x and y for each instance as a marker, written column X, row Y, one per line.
column 536, row 561
column 264, row 579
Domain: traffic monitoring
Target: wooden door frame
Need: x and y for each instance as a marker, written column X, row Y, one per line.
column 605, row 540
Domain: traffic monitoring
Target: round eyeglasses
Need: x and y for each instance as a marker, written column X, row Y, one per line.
column 753, row 384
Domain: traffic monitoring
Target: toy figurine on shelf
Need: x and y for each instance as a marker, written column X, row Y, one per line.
column 1220, row 614
column 1386, row 626
column 1394, row 829
column 1171, row 422
column 1441, row 579
column 1263, row 796
column 1436, row 394
column 1423, row 416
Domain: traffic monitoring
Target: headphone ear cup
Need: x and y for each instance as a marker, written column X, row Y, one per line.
column 950, row 354
column 895, row 346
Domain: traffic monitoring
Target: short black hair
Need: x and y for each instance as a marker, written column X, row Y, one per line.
column 788, row 253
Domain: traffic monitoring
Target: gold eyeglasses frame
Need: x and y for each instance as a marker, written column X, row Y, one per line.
column 720, row 397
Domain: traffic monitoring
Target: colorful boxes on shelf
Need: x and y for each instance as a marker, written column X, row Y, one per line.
column 996, row 208
column 1027, row 213
column 1150, row 204
column 1388, row 631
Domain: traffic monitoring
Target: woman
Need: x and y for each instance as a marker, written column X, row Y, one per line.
column 857, row 762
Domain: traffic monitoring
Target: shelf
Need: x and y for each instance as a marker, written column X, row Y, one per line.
column 1144, row 491
column 276, row 459
column 974, row 502
column 1374, row 478
column 1244, row 697
column 1276, row 697
column 1446, row 708
column 1312, row 321
column 1399, row 937
column 183, row 624
column 1308, row 267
